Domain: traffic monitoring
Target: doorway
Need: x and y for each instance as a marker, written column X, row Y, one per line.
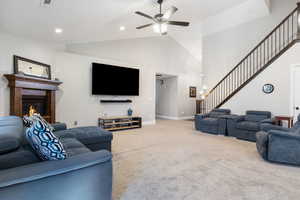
column 166, row 106
column 295, row 94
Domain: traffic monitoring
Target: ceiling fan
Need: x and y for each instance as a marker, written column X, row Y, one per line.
column 161, row 21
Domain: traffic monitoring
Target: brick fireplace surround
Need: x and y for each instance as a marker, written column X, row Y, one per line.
column 27, row 91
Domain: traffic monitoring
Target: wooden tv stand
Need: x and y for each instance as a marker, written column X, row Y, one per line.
column 120, row 123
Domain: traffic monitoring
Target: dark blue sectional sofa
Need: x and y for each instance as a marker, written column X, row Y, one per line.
column 246, row 126
column 85, row 174
column 279, row 144
column 212, row 122
column 220, row 121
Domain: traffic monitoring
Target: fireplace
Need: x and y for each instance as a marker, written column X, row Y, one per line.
column 37, row 103
column 35, row 93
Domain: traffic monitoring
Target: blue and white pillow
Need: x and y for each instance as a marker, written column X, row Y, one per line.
column 42, row 140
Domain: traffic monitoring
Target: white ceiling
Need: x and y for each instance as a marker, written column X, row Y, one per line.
column 98, row 20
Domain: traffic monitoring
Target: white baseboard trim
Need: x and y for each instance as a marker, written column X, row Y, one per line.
column 145, row 123
column 187, row 117
column 167, row 117
column 174, row 118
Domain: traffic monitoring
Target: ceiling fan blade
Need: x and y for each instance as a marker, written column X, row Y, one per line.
column 144, row 26
column 177, row 23
column 169, row 12
column 144, row 15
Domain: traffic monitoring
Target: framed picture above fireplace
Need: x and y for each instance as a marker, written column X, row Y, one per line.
column 31, row 68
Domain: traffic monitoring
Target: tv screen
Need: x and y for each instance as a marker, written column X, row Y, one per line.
column 113, row 80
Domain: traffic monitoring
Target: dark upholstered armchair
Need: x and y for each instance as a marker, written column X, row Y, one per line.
column 245, row 127
column 279, row 144
column 212, row 122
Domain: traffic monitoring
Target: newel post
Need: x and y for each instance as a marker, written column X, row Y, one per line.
column 298, row 21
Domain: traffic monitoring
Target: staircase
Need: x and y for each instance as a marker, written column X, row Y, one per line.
column 282, row 38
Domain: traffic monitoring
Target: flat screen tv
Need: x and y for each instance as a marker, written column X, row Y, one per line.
column 114, row 80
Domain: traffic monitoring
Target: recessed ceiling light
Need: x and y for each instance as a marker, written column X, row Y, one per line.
column 122, row 28
column 58, row 30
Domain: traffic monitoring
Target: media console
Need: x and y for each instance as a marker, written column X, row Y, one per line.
column 120, row 123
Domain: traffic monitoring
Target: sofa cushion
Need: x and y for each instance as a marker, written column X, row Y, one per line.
column 247, row 125
column 43, row 141
column 11, row 127
column 90, row 134
column 255, row 118
column 215, row 114
column 9, row 144
column 73, row 146
column 59, row 126
column 18, row 158
column 210, row 121
column 262, row 144
column 223, row 111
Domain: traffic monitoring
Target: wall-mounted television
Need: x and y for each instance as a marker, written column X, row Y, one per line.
column 114, row 80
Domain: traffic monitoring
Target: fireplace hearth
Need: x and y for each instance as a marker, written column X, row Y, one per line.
column 26, row 92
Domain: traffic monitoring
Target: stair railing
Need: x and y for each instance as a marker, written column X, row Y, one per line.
column 278, row 41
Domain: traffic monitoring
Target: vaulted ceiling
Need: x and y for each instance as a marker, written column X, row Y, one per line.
column 99, row 20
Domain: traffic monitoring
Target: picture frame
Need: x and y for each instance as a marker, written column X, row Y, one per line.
column 193, row 92
column 31, row 68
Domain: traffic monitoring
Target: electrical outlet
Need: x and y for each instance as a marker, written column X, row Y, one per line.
column 75, row 123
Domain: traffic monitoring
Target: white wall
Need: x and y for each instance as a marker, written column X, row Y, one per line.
column 152, row 55
column 76, row 103
column 223, row 50
column 251, row 97
column 74, row 99
column 11, row 45
column 167, row 98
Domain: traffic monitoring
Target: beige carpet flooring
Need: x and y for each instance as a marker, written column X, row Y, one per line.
column 170, row 161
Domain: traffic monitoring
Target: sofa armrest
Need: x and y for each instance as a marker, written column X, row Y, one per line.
column 59, row 126
column 73, row 178
column 284, row 147
column 268, row 121
column 268, row 127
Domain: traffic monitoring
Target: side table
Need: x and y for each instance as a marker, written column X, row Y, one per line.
column 289, row 119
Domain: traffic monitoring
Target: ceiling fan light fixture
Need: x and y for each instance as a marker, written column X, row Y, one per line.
column 160, row 28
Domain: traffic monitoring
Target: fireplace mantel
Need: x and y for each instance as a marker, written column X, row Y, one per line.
column 24, row 86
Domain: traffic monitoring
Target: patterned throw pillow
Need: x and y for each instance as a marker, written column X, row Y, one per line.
column 28, row 121
column 42, row 140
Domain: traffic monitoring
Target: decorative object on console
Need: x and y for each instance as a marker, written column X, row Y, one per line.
column 31, row 68
column 129, row 112
column 268, row 88
column 193, row 92
column 42, row 140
